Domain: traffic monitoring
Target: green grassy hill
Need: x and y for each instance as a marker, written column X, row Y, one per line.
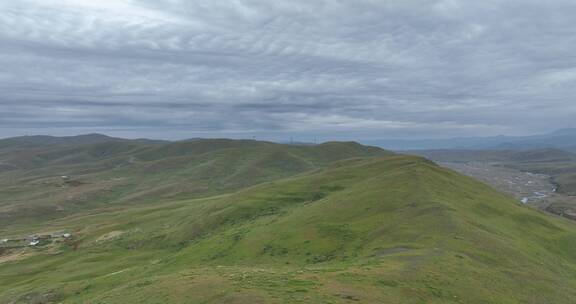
column 392, row 229
column 119, row 172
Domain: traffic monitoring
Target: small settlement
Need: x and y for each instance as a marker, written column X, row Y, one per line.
column 33, row 240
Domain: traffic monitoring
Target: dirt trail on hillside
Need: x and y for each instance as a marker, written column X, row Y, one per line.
column 15, row 256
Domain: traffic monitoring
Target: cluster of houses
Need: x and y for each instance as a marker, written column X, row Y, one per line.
column 36, row 239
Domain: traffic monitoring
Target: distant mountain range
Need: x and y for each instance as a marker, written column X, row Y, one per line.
column 547, row 155
column 562, row 139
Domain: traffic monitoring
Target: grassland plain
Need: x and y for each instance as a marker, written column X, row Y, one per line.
column 392, row 229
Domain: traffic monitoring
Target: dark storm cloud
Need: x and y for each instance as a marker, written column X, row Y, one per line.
column 341, row 69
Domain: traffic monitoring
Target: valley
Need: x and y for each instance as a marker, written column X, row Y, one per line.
column 538, row 178
column 532, row 189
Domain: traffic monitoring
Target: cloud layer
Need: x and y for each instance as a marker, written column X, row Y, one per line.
column 337, row 69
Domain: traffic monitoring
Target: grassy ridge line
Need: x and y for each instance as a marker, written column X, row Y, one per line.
column 391, row 230
column 119, row 173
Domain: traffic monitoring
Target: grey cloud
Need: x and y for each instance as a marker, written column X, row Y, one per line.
column 335, row 68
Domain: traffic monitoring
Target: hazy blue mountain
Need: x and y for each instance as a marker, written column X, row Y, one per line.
column 562, row 139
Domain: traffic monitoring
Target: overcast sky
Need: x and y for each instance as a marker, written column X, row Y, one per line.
column 275, row 69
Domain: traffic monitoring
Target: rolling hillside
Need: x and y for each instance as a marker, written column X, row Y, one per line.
column 390, row 229
column 50, row 178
